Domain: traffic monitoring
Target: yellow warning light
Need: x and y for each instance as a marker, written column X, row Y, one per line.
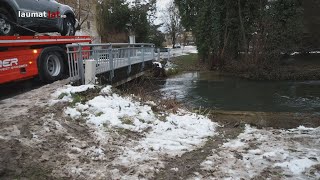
column 35, row 51
column 30, row 62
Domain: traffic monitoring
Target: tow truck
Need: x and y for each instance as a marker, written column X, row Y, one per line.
column 25, row 57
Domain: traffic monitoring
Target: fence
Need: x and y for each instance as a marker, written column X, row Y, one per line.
column 107, row 57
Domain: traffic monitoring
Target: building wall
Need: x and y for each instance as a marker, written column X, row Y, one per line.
column 86, row 14
column 185, row 38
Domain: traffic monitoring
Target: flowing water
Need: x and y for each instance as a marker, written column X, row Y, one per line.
column 211, row 90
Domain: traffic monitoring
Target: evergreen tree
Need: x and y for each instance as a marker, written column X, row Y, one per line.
column 119, row 18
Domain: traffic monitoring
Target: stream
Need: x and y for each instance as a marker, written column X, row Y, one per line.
column 214, row 91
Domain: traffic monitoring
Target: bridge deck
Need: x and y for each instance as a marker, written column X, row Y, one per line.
column 108, row 57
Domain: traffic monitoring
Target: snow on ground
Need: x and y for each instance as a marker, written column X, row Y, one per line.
column 169, row 65
column 75, row 149
column 64, row 94
column 257, row 153
column 157, row 64
column 184, row 50
column 115, row 137
column 110, row 110
column 173, row 137
column 21, row 103
column 311, row 52
column 170, row 136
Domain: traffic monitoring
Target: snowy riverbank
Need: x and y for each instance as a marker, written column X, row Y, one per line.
column 164, row 135
column 90, row 132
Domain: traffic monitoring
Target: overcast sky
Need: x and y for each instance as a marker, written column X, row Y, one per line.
column 161, row 4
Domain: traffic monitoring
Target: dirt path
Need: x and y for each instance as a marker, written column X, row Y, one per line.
column 37, row 141
column 189, row 164
column 185, row 166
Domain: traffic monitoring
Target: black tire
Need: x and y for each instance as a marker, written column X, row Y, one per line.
column 6, row 27
column 68, row 27
column 51, row 65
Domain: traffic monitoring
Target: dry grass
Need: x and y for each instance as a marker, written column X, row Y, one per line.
column 171, row 105
column 146, row 90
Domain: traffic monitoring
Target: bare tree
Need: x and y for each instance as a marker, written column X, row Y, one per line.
column 82, row 8
column 172, row 22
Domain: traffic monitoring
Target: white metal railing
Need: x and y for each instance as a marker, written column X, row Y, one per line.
column 108, row 57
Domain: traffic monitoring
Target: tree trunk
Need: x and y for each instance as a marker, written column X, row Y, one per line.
column 173, row 39
column 245, row 43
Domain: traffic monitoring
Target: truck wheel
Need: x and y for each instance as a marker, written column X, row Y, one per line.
column 6, row 27
column 68, row 27
column 51, row 66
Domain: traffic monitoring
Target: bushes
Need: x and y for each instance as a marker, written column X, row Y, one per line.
column 250, row 32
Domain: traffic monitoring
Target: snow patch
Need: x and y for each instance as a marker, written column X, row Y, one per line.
column 280, row 153
column 158, row 64
column 297, row 166
column 64, row 94
column 73, row 113
column 179, row 134
column 171, row 136
column 184, row 50
column 120, row 112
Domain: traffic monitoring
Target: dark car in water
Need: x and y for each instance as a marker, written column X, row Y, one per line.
column 26, row 17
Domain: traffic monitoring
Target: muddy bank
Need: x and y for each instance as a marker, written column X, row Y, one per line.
column 148, row 90
column 277, row 120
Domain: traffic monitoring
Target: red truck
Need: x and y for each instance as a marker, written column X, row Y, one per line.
column 24, row 57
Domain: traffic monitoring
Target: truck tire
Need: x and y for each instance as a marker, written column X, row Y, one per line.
column 6, row 27
column 51, row 64
column 68, row 27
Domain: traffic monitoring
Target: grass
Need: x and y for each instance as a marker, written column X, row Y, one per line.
column 202, row 111
column 62, row 95
column 185, row 63
column 127, row 120
column 99, row 114
column 171, row 72
column 169, row 105
column 83, row 97
column 188, row 62
column 76, row 99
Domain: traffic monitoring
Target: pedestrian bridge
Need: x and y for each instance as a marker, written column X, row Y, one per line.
column 86, row 61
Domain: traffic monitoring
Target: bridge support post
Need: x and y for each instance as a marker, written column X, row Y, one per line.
column 90, row 74
column 129, row 59
column 80, row 65
column 153, row 52
column 111, row 75
column 158, row 55
column 143, row 51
